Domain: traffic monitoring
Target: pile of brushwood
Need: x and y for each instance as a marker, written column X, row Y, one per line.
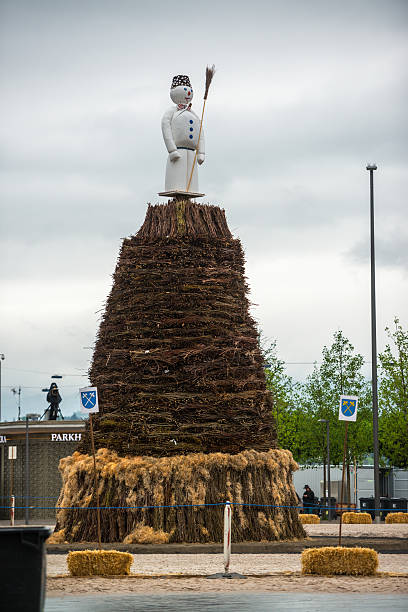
column 177, row 361
column 163, row 499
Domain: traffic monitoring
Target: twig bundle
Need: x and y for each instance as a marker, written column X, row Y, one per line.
column 177, row 361
column 130, row 483
column 209, row 74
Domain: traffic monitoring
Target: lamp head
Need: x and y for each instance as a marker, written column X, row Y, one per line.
column 371, row 167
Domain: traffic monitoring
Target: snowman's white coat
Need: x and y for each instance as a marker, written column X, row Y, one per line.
column 180, row 130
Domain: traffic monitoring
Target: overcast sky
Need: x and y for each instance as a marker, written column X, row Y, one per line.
column 305, row 94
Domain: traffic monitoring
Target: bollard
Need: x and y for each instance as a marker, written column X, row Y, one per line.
column 227, row 546
column 227, row 537
column 12, row 506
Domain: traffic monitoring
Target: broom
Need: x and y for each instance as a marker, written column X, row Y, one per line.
column 209, row 73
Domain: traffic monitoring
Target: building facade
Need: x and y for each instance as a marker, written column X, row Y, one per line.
column 38, row 446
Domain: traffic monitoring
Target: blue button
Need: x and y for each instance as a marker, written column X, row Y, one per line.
column 191, row 121
column 191, row 135
column 191, row 129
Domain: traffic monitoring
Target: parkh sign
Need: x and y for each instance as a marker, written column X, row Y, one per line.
column 66, row 437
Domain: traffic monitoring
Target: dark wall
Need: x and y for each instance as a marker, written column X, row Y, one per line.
column 45, row 479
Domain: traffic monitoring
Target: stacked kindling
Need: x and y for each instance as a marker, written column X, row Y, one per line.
column 177, row 361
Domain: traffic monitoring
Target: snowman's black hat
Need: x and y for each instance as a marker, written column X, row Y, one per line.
column 180, row 79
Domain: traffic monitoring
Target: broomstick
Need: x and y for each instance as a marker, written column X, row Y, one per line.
column 209, row 73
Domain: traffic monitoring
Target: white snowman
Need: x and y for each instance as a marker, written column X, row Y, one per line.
column 181, row 129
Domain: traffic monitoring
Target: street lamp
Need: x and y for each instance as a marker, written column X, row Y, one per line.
column 371, row 168
column 328, row 466
column 1, row 359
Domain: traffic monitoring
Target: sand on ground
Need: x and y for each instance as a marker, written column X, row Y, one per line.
column 205, row 564
column 375, row 530
column 150, row 574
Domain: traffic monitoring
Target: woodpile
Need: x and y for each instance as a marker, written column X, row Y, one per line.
column 177, row 360
column 185, row 418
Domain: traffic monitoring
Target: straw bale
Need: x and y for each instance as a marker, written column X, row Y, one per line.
column 397, row 517
column 99, row 563
column 357, row 518
column 309, row 519
column 338, row 560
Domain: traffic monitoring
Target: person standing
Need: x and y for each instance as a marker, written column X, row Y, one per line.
column 308, row 500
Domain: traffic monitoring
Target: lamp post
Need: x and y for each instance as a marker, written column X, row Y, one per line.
column 328, row 466
column 1, row 359
column 371, row 168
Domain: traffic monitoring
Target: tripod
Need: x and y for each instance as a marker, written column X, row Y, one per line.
column 54, row 412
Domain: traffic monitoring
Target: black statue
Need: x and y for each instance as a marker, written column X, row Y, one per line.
column 54, row 399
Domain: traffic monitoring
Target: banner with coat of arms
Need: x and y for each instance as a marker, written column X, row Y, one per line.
column 348, row 408
column 89, row 400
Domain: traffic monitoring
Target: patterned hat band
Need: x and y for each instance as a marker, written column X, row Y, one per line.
column 180, row 79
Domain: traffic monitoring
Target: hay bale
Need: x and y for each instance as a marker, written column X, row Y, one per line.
column 397, row 517
column 357, row 518
column 99, row 563
column 309, row 519
column 338, row 560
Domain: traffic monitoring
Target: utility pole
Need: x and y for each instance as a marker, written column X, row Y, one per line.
column 1, row 359
column 371, row 168
column 27, row 475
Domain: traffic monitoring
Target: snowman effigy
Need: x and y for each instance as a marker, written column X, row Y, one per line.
column 185, row 419
column 184, row 138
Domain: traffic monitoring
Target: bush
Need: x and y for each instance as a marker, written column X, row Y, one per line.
column 337, row 560
column 397, row 517
column 357, row 518
column 309, row 519
column 99, row 563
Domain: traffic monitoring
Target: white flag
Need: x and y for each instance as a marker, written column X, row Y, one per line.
column 89, row 399
column 348, row 408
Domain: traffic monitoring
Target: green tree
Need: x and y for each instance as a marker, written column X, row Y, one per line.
column 393, row 396
column 287, row 407
column 339, row 374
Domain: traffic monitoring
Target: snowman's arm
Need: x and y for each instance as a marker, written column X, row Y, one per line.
column 167, row 132
column 201, row 144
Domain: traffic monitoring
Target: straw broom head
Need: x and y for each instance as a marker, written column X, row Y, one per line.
column 209, row 73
